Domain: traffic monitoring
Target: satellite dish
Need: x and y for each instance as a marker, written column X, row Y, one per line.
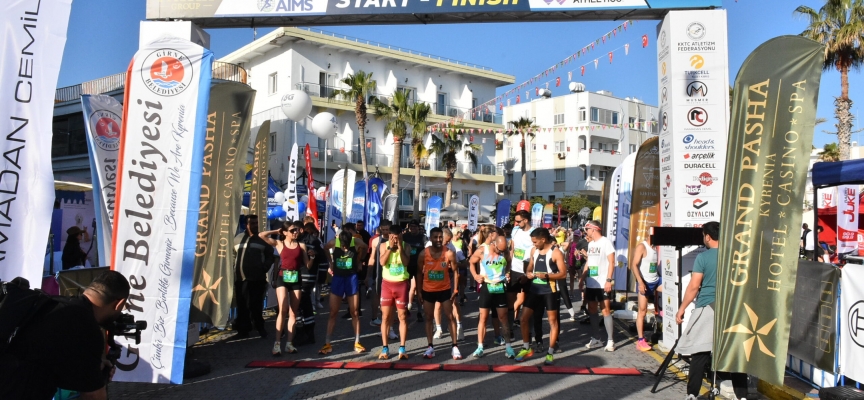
column 296, row 105
column 584, row 212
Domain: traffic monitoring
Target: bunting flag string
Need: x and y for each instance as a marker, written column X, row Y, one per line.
column 592, row 127
column 536, row 79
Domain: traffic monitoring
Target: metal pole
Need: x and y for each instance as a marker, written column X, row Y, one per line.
column 344, row 194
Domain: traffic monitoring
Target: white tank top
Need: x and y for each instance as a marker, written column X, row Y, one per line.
column 522, row 245
column 648, row 266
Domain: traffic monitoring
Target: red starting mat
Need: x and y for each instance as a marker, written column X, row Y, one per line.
column 407, row 366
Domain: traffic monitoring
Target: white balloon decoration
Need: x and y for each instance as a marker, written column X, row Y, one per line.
column 279, row 197
column 324, row 125
column 296, row 105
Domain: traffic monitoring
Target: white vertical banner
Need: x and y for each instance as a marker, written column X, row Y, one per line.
column 852, row 322
column 158, row 194
column 102, row 116
column 34, row 36
column 622, row 222
column 473, row 212
column 291, row 191
column 827, row 197
column 611, row 209
column 847, row 219
column 337, row 197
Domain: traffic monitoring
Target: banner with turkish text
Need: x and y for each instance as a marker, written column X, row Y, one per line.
column 610, row 208
column 34, row 36
column 357, row 207
column 770, row 136
column 645, row 207
column 158, row 194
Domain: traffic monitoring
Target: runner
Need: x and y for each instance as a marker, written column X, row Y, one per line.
column 437, row 263
column 344, row 262
column 417, row 240
column 394, row 289
column 545, row 267
column 292, row 255
column 520, row 245
column 459, row 282
column 597, row 276
column 374, row 266
column 490, row 266
column 461, row 258
column 648, row 281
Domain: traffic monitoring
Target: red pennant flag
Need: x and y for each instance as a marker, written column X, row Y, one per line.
column 610, row 57
column 558, row 81
column 536, row 91
column 583, row 70
column 604, row 39
column 500, row 106
column 517, row 99
column 625, row 25
column 644, row 41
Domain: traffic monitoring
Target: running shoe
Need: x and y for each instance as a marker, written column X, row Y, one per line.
column 538, row 347
column 460, row 335
column 549, row 360
column 509, row 353
column 327, row 349
column 499, row 341
column 385, row 353
column 290, row 349
column 358, row 348
column 642, row 345
column 392, row 334
column 572, row 318
column 429, row 354
column 437, row 334
column 277, row 349
column 524, row 353
column 375, row 322
column 594, row 343
column 477, row 353
column 402, row 354
column 455, row 353
column 610, row 346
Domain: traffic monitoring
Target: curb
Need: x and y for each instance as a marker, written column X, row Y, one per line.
column 779, row 393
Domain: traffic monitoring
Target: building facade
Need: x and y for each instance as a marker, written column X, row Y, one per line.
column 582, row 138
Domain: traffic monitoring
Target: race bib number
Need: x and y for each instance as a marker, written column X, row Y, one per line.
column 519, row 253
column 495, row 288
column 593, row 271
column 436, row 275
column 344, row 263
column 289, row 276
column 397, row 270
column 652, row 268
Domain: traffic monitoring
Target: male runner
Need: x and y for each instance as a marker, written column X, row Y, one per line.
column 597, row 276
column 520, row 246
column 345, row 255
column 374, row 266
column 417, row 241
column 644, row 267
column 490, row 266
column 394, row 289
column 436, row 264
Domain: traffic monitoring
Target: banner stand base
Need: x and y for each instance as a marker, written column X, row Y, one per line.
column 193, row 368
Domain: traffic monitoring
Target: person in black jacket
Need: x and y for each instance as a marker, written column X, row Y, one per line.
column 254, row 259
column 73, row 256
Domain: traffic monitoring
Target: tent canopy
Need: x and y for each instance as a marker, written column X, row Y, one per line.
column 849, row 172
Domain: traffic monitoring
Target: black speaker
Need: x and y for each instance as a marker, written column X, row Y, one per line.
column 840, row 393
column 678, row 237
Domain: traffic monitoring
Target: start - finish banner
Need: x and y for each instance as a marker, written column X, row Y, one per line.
column 158, row 193
column 34, row 35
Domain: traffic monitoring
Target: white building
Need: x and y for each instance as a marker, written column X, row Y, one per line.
column 316, row 61
column 583, row 137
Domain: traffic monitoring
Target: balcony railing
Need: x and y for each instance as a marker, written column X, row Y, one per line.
column 221, row 70
column 337, row 155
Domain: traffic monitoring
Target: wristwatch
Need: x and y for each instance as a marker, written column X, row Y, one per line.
column 610, row 280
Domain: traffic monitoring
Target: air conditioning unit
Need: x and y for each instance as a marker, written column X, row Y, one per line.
column 562, row 155
column 508, row 187
column 487, row 117
column 453, row 112
column 499, row 188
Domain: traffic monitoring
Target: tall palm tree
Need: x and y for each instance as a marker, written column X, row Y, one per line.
column 448, row 146
column 416, row 120
column 395, row 116
column 524, row 128
column 839, row 25
column 359, row 85
column 829, row 153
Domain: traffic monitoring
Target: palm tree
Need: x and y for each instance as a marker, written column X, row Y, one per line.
column 839, row 25
column 829, row 153
column 448, row 147
column 524, row 127
column 359, row 85
column 416, row 120
column 395, row 116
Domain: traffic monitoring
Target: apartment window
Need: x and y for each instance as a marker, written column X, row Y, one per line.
column 601, row 176
column 509, row 153
column 466, row 197
column 272, row 83
column 583, row 114
column 273, row 142
column 406, row 197
column 632, row 122
column 508, row 179
column 615, row 147
column 559, row 174
column 410, row 93
column 632, row 148
column 641, row 126
column 582, row 142
column 559, row 119
column 439, row 194
column 560, row 147
column 602, row 116
column 499, row 168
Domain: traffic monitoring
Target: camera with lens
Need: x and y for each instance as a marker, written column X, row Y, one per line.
column 125, row 326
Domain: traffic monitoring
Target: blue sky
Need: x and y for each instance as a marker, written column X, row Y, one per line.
column 103, row 38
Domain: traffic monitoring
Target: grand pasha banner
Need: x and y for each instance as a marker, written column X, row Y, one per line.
column 771, row 129
column 102, row 116
column 260, row 174
column 645, row 207
column 158, row 193
column 34, row 35
column 225, row 148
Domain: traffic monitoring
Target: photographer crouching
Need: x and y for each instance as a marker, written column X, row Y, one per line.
column 58, row 342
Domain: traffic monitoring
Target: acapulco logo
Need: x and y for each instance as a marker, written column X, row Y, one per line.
column 166, row 72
